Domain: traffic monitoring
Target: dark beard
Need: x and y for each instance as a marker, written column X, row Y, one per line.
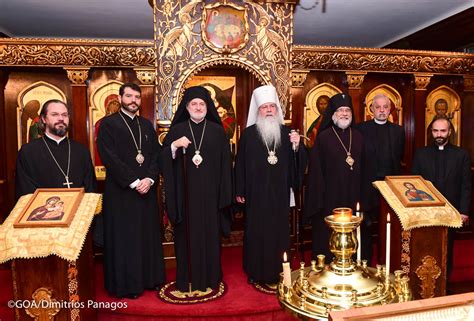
column 61, row 132
column 440, row 141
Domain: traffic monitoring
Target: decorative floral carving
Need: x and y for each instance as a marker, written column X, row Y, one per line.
column 405, row 255
column 355, row 79
column 422, row 81
column 182, row 52
column 298, row 78
column 386, row 60
column 146, row 75
column 72, row 52
column 77, row 76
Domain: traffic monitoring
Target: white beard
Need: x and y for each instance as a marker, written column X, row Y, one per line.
column 269, row 130
column 342, row 123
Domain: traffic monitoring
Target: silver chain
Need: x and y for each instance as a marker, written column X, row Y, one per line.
column 66, row 175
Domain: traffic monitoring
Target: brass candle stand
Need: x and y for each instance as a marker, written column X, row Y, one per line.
column 320, row 288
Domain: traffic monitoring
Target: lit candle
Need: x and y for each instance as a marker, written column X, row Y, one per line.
column 359, row 248
column 343, row 215
column 387, row 249
column 286, row 272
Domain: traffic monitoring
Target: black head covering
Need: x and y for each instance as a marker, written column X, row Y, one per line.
column 335, row 102
column 182, row 113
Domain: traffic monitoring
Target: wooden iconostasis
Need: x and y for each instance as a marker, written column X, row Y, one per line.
column 91, row 91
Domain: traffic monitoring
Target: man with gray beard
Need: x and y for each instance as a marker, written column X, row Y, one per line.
column 269, row 167
column 335, row 171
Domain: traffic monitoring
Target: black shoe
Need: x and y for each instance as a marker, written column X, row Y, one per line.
column 131, row 296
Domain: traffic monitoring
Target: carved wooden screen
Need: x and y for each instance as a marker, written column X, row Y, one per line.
column 191, row 36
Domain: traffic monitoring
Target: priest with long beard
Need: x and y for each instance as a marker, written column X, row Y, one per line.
column 335, row 172
column 269, row 167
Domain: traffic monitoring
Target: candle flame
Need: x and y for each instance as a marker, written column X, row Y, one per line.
column 388, row 217
column 284, row 257
column 358, row 207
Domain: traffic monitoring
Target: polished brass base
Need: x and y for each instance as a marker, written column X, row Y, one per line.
column 320, row 288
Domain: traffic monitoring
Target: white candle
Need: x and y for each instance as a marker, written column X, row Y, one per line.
column 359, row 248
column 286, row 272
column 387, row 249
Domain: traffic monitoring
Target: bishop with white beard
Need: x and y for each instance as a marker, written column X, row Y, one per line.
column 269, row 167
column 335, row 171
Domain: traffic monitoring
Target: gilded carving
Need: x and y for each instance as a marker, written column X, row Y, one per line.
column 469, row 83
column 74, row 52
column 422, row 81
column 428, row 272
column 41, row 311
column 298, row 78
column 73, row 285
column 355, row 79
column 385, row 60
column 77, row 76
column 146, row 76
column 183, row 50
column 405, row 255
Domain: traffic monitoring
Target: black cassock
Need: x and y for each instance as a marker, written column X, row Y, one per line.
column 266, row 189
column 209, row 192
column 35, row 168
column 331, row 182
column 133, row 254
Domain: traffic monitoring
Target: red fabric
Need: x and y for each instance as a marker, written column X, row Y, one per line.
column 242, row 302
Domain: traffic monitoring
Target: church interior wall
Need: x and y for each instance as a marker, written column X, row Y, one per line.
column 131, row 61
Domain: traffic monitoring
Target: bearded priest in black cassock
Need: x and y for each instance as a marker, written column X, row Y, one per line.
column 54, row 160
column 269, row 167
column 128, row 146
column 335, row 176
column 198, row 192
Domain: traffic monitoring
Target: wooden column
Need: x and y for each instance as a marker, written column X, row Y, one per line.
column 78, row 119
column 355, row 80
column 297, row 97
column 421, row 82
column 147, row 76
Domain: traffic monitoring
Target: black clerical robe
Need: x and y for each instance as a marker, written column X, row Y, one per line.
column 266, row 189
column 133, row 254
column 450, row 172
column 385, row 144
column 331, row 181
column 209, row 191
column 36, row 168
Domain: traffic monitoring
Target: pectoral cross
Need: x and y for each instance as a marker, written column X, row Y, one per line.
column 68, row 183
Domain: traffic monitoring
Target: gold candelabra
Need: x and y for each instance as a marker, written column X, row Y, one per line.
column 314, row 291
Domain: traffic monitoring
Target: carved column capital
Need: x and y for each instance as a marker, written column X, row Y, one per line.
column 468, row 83
column 422, row 81
column 298, row 78
column 355, row 79
column 77, row 75
column 146, row 76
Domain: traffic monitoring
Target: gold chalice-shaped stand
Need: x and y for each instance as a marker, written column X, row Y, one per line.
column 343, row 284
